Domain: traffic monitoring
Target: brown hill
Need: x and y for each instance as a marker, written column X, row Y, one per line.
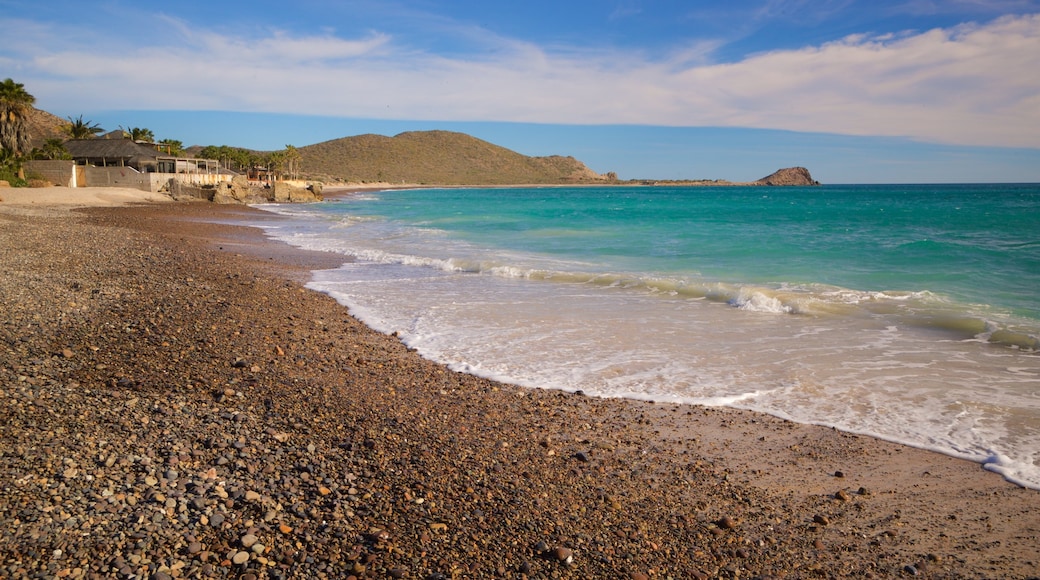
column 43, row 126
column 436, row 157
column 789, row 176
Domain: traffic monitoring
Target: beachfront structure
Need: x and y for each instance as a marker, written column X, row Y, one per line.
column 143, row 158
column 126, row 163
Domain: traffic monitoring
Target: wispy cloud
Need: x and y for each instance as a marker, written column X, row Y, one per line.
column 972, row 84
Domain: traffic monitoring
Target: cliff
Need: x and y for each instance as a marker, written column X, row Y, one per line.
column 789, row 176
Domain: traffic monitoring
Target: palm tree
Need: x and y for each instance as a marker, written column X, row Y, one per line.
column 274, row 161
column 15, row 105
column 292, row 161
column 80, row 129
column 142, row 134
column 173, row 147
column 53, row 148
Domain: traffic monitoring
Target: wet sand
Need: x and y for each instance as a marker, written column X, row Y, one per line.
column 176, row 404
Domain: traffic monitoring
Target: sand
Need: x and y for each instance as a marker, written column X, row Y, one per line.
column 173, row 399
column 77, row 196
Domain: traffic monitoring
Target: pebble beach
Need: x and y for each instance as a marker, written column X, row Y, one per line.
column 175, row 404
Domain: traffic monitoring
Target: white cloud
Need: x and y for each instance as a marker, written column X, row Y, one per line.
column 974, row 84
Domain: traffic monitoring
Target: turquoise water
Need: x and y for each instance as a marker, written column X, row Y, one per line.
column 906, row 312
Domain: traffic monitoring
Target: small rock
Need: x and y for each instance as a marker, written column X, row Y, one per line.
column 842, row 495
column 240, row 557
column 248, row 540
column 821, row 519
column 67, row 353
column 726, row 523
column 564, row 555
column 582, row 457
column 839, row 474
column 911, row 570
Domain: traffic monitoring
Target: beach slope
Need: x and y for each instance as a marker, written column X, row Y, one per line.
column 176, row 404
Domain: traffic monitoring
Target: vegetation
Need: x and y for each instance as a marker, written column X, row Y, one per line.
column 80, row 129
column 141, row 134
column 10, row 169
column 53, row 148
column 233, row 158
column 172, row 147
column 15, row 105
column 285, row 162
column 291, row 160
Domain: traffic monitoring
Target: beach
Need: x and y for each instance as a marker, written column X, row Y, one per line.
column 177, row 404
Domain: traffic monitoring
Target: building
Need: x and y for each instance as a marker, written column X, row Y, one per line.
column 126, row 163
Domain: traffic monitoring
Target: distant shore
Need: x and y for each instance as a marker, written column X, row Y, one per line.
column 176, row 404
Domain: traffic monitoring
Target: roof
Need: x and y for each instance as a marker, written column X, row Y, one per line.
column 109, row 149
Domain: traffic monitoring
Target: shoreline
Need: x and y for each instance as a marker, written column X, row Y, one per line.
column 196, row 319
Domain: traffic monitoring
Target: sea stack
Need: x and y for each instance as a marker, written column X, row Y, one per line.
column 789, row 176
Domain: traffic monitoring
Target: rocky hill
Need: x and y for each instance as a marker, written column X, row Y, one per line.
column 43, row 126
column 789, row 176
column 436, row 157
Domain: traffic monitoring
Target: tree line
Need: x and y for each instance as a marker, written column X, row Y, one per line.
column 16, row 104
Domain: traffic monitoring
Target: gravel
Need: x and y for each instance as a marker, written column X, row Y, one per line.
column 173, row 407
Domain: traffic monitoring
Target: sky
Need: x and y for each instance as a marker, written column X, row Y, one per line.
column 877, row 91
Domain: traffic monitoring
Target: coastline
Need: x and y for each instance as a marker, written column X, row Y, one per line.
column 337, row 432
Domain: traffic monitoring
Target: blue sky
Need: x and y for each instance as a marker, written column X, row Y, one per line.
column 857, row 91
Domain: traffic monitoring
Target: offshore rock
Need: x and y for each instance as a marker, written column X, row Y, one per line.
column 789, row 176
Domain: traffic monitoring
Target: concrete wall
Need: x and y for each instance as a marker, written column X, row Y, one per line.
column 59, row 172
column 117, row 177
column 68, row 174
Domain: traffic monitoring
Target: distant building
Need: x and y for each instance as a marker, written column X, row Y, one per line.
column 142, row 158
column 124, row 163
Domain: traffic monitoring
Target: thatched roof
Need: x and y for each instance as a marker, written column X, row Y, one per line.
column 109, row 149
column 112, row 152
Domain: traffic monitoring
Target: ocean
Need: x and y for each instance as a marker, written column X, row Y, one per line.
column 905, row 312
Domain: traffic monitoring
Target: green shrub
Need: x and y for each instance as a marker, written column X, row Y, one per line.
column 11, row 176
